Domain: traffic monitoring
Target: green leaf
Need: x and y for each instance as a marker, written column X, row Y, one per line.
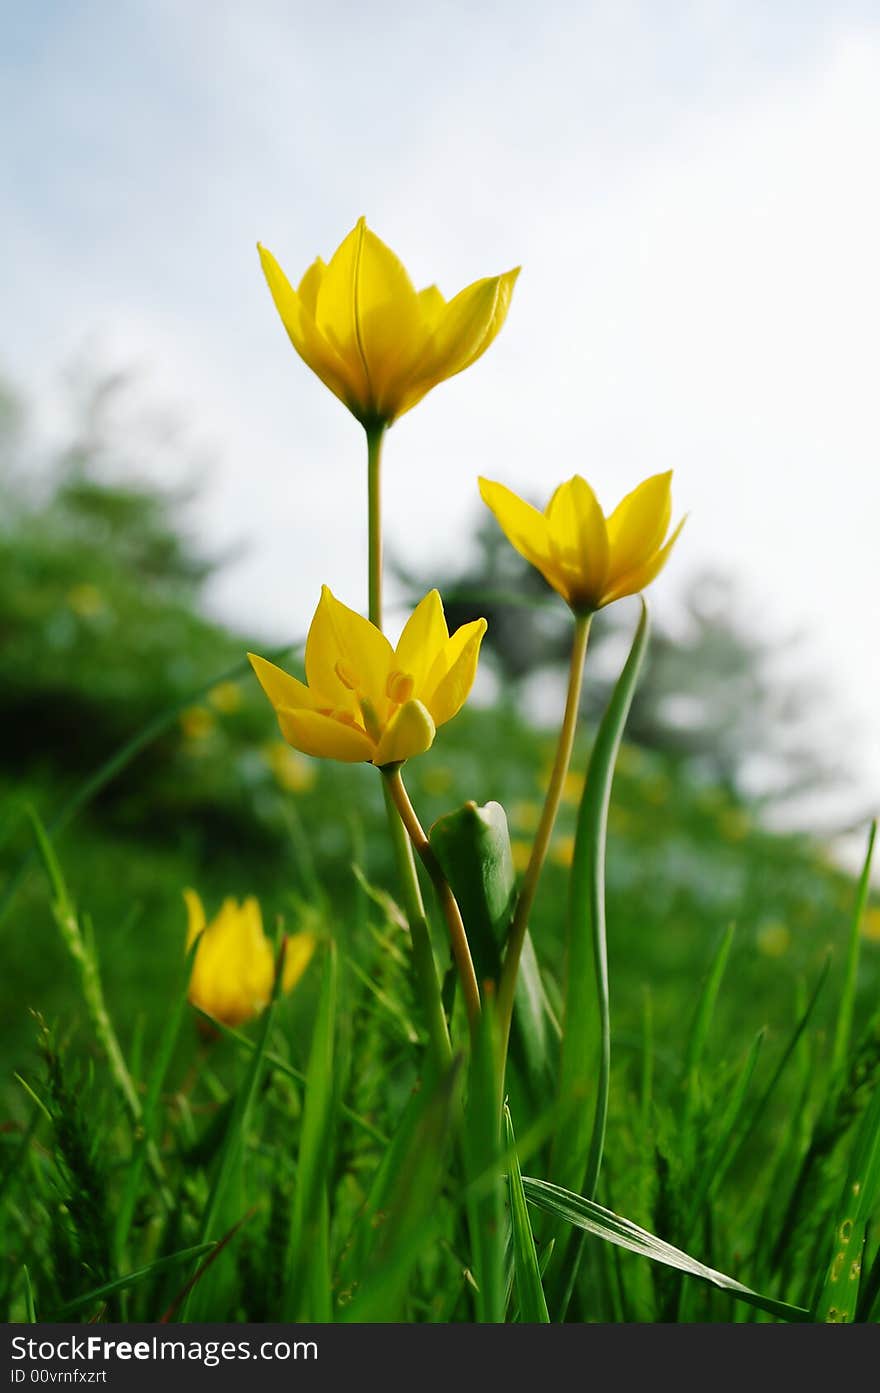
column 591, row 1218
column 529, row 1290
column 483, row 1174
column 839, row 1297
column 843, row 1028
column 308, row 1295
column 586, row 1013
column 131, row 1279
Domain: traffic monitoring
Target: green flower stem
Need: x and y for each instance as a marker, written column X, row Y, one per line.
column 460, row 947
column 427, row 980
column 375, row 437
column 520, row 924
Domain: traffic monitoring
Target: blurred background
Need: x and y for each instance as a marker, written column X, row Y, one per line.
column 689, row 189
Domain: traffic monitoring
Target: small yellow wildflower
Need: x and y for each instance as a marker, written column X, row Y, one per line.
column 871, row 924
column 366, row 700
column 774, row 939
column 375, row 341
column 589, row 559
column 85, row 600
column 225, row 698
column 562, row 850
column 292, row 773
column 234, row 966
column 196, row 722
column 521, row 852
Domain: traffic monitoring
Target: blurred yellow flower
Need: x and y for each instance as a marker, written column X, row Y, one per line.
column 234, row 965
column 774, row 939
column 85, row 600
column 521, row 852
column 871, row 924
column 573, row 787
column 526, row 814
column 196, row 722
column 562, row 849
column 366, row 700
column 375, row 341
column 589, row 559
column 225, row 697
column 292, row 773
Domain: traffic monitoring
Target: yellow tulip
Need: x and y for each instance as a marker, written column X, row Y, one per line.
column 380, row 345
column 589, row 559
column 234, row 967
column 366, row 700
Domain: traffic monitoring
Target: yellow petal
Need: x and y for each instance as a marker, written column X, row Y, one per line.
column 460, row 662
column 524, row 527
column 297, row 956
column 195, row 911
column 423, row 637
column 308, row 288
column 638, row 579
column 339, row 636
column 325, row 737
column 432, row 305
column 579, row 540
column 389, row 321
column 638, row 525
column 410, row 732
column 284, row 690
column 303, row 332
column 468, row 325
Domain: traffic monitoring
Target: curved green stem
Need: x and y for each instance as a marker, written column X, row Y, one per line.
column 460, row 947
column 520, row 924
column 427, row 980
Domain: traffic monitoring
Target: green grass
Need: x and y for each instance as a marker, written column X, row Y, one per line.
column 316, row 1165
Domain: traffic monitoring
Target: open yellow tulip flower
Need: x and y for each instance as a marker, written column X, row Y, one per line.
column 380, row 345
column 365, row 700
column 589, row 559
column 234, row 968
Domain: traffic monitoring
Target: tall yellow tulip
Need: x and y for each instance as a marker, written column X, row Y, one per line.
column 234, row 968
column 588, row 558
column 365, row 700
column 376, row 342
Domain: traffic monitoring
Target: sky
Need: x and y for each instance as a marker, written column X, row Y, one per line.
column 690, row 189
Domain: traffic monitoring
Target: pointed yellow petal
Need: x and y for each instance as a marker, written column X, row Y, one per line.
column 638, row 579
column 579, row 540
column 297, row 956
column 524, row 527
column 466, row 328
column 432, row 305
column 282, row 689
column 325, row 737
column 638, row 525
column 302, row 331
column 340, row 637
column 195, row 915
column 410, row 732
column 308, row 288
column 423, row 637
column 460, row 661
column 390, row 327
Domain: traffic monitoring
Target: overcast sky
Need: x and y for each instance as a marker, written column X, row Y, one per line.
column 691, row 190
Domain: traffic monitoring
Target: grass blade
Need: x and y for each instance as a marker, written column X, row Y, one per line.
column 307, row 1295
column 843, row 1028
column 529, row 1290
column 577, row 1152
column 591, row 1218
column 839, row 1296
column 131, row 1279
